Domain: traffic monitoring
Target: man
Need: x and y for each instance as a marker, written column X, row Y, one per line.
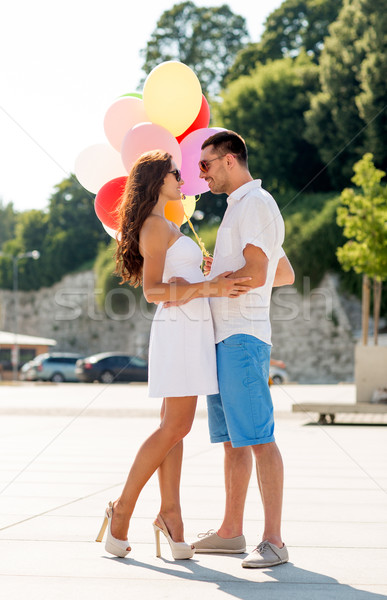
column 249, row 242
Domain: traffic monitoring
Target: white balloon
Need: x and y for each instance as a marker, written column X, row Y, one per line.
column 98, row 164
column 110, row 231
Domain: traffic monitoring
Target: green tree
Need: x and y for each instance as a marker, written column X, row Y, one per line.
column 267, row 108
column 8, row 218
column 371, row 100
column 206, row 39
column 67, row 236
column 30, row 234
column 312, row 237
column 348, row 116
column 74, row 231
column 364, row 219
column 296, row 26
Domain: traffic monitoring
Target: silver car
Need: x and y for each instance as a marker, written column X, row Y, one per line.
column 58, row 366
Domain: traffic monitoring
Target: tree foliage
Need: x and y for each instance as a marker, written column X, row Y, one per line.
column 348, row 116
column 371, row 101
column 312, row 237
column 206, row 39
column 67, row 235
column 364, row 219
column 267, row 108
column 296, row 26
column 8, row 217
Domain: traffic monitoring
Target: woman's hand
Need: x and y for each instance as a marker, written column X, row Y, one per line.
column 207, row 265
column 232, row 288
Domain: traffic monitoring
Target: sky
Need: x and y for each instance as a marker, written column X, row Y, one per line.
column 62, row 64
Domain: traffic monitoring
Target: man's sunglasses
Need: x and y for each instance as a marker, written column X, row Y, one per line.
column 177, row 174
column 203, row 164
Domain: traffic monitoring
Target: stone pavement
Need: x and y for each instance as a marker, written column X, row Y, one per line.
column 65, row 451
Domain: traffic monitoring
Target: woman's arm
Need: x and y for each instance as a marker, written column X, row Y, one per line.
column 155, row 238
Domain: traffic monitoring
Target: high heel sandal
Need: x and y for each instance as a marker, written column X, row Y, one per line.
column 112, row 544
column 179, row 550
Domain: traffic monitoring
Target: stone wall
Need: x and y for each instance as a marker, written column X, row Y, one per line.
column 69, row 313
column 311, row 332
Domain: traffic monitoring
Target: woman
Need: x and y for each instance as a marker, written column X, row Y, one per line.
column 182, row 364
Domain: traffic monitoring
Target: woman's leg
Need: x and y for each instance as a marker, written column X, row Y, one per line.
column 177, row 421
column 169, row 473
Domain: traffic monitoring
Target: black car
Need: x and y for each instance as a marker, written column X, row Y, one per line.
column 108, row 367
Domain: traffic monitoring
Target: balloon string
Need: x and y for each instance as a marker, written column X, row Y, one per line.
column 198, row 239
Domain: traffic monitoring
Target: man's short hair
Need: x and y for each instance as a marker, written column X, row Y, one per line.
column 228, row 142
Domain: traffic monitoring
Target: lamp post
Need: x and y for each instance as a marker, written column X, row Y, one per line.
column 35, row 254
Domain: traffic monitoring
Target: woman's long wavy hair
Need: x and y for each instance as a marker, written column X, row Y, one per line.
column 139, row 198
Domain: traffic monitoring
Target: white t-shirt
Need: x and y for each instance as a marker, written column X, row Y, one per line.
column 252, row 217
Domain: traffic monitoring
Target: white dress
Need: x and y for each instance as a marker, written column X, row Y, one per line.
column 182, row 359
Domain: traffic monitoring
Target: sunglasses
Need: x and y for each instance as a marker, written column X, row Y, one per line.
column 203, row 164
column 177, row 174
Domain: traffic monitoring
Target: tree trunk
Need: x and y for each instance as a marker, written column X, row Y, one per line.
column 365, row 308
column 377, row 302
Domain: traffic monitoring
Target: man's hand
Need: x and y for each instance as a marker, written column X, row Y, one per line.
column 176, row 302
column 231, row 287
column 207, row 265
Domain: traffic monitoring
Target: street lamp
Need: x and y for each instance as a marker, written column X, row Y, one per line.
column 35, row 254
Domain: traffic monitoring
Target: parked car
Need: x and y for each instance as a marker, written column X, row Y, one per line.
column 108, row 367
column 277, row 372
column 58, row 366
column 27, row 366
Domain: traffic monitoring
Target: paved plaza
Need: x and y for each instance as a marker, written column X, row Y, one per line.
column 65, row 452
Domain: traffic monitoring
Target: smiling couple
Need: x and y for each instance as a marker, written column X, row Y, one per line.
column 211, row 335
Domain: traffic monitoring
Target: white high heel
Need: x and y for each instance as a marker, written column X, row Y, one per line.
column 180, row 550
column 112, row 544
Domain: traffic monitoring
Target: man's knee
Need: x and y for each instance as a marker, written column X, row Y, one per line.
column 260, row 450
column 237, row 454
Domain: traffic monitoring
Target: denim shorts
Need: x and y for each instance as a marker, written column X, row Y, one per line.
column 242, row 412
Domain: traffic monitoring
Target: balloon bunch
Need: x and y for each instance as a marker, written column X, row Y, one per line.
column 171, row 115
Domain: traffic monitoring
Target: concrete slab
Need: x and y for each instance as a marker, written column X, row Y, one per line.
column 66, row 467
column 62, row 588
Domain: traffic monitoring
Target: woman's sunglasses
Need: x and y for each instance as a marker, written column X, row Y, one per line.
column 177, row 174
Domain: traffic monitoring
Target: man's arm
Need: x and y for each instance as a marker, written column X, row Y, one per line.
column 284, row 274
column 256, row 264
column 256, row 267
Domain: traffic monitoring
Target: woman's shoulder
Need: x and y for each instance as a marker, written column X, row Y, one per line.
column 155, row 224
column 155, row 230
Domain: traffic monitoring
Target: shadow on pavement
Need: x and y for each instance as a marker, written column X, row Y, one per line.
column 241, row 588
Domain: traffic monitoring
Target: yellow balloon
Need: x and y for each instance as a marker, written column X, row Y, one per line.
column 172, row 96
column 189, row 205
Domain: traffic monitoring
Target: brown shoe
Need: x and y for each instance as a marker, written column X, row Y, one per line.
column 211, row 542
column 266, row 555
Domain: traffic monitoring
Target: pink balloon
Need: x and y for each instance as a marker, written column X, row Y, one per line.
column 121, row 116
column 190, row 150
column 145, row 137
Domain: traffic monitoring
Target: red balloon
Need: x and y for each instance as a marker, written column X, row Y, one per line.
column 108, row 200
column 201, row 121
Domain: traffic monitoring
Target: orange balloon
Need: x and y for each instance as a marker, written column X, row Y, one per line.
column 174, row 211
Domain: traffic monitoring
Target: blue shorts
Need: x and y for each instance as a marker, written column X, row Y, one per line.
column 242, row 413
